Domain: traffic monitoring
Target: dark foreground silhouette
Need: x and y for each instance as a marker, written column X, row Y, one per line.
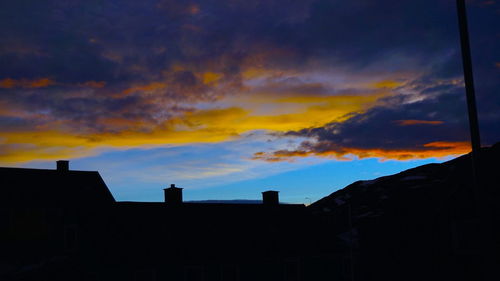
column 421, row 224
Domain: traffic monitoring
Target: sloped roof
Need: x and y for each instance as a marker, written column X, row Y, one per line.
column 41, row 187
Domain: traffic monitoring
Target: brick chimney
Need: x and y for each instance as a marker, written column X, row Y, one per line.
column 173, row 195
column 270, row 198
column 62, row 165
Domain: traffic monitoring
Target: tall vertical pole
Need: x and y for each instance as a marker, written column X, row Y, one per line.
column 482, row 208
column 469, row 81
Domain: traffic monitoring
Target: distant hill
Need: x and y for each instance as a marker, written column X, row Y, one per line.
column 423, row 220
column 422, row 185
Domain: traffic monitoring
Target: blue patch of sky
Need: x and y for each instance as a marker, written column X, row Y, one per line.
column 224, row 171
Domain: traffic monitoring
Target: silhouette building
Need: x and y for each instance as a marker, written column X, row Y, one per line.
column 65, row 225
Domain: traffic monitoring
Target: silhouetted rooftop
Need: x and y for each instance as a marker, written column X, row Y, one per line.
column 53, row 187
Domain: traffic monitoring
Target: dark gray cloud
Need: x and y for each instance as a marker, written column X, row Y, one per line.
column 130, row 44
column 101, row 40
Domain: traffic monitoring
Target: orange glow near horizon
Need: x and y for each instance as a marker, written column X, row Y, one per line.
column 429, row 150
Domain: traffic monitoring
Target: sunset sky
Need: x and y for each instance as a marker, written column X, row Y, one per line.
column 230, row 98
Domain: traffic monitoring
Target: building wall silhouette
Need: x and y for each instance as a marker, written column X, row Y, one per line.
column 65, row 225
column 420, row 224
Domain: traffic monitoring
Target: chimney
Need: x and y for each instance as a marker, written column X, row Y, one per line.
column 62, row 165
column 173, row 195
column 270, row 198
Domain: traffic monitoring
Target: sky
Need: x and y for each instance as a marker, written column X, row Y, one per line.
column 231, row 98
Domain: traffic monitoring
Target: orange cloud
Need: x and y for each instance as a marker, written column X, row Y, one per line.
column 387, row 84
column 8, row 83
column 40, row 83
column 429, row 150
column 267, row 112
column 417, row 122
column 201, row 126
column 279, row 111
column 274, row 108
column 211, row 77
